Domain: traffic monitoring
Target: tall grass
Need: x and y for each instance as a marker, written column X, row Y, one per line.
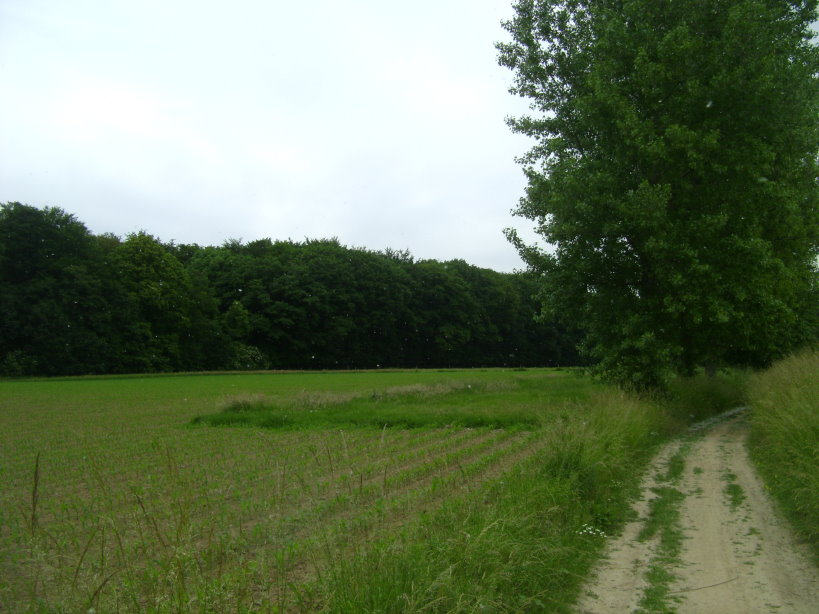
column 517, row 401
column 784, row 439
column 525, row 541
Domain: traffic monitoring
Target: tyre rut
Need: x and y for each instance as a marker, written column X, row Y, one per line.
column 737, row 557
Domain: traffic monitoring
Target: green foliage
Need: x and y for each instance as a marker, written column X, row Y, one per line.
column 675, row 174
column 700, row 396
column 58, row 294
column 76, row 303
column 784, row 439
column 246, row 358
column 16, row 364
column 159, row 290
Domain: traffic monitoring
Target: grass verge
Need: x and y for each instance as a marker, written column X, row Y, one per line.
column 784, row 440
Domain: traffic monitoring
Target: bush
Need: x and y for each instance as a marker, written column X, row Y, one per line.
column 701, row 396
column 17, row 364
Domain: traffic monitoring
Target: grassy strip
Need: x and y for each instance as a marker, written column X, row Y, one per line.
column 516, row 402
column 467, row 403
column 784, row 441
column 664, row 520
column 733, row 491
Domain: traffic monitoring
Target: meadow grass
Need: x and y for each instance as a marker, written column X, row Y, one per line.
column 784, row 440
column 382, row 491
column 515, row 401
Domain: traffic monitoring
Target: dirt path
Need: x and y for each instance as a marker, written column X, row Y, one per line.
column 732, row 554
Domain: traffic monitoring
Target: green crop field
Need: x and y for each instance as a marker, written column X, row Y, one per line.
column 316, row 490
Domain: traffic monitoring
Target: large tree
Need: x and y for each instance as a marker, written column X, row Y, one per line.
column 57, row 295
column 674, row 176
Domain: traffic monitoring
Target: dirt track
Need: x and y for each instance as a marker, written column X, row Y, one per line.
column 736, row 556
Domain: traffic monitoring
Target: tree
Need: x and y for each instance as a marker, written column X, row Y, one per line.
column 55, row 295
column 447, row 315
column 674, row 174
column 159, row 288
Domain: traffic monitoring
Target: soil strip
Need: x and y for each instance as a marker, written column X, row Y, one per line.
column 738, row 556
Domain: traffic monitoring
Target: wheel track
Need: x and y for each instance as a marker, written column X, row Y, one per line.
column 738, row 556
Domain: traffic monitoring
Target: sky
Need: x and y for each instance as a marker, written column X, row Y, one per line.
column 379, row 123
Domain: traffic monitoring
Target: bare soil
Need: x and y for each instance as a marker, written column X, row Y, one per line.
column 738, row 556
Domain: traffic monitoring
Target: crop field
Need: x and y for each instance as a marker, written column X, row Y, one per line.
column 255, row 492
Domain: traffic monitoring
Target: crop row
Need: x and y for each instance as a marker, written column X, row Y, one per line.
column 265, row 505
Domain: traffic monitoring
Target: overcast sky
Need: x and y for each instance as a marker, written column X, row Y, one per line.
column 380, row 123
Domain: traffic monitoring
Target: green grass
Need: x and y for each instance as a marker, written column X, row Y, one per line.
column 676, row 464
column 733, row 491
column 434, row 491
column 784, row 441
column 516, row 401
column 735, row 495
column 663, row 522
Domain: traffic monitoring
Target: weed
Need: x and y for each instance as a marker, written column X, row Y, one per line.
column 663, row 523
column 733, row 491
column 675, row 465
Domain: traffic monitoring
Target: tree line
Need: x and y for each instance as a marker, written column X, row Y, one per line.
column 78, row 303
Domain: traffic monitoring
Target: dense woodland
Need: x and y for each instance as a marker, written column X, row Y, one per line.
column 78, row 303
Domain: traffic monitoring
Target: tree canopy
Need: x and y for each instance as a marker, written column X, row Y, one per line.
column 75, row 303
column 674, row 176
